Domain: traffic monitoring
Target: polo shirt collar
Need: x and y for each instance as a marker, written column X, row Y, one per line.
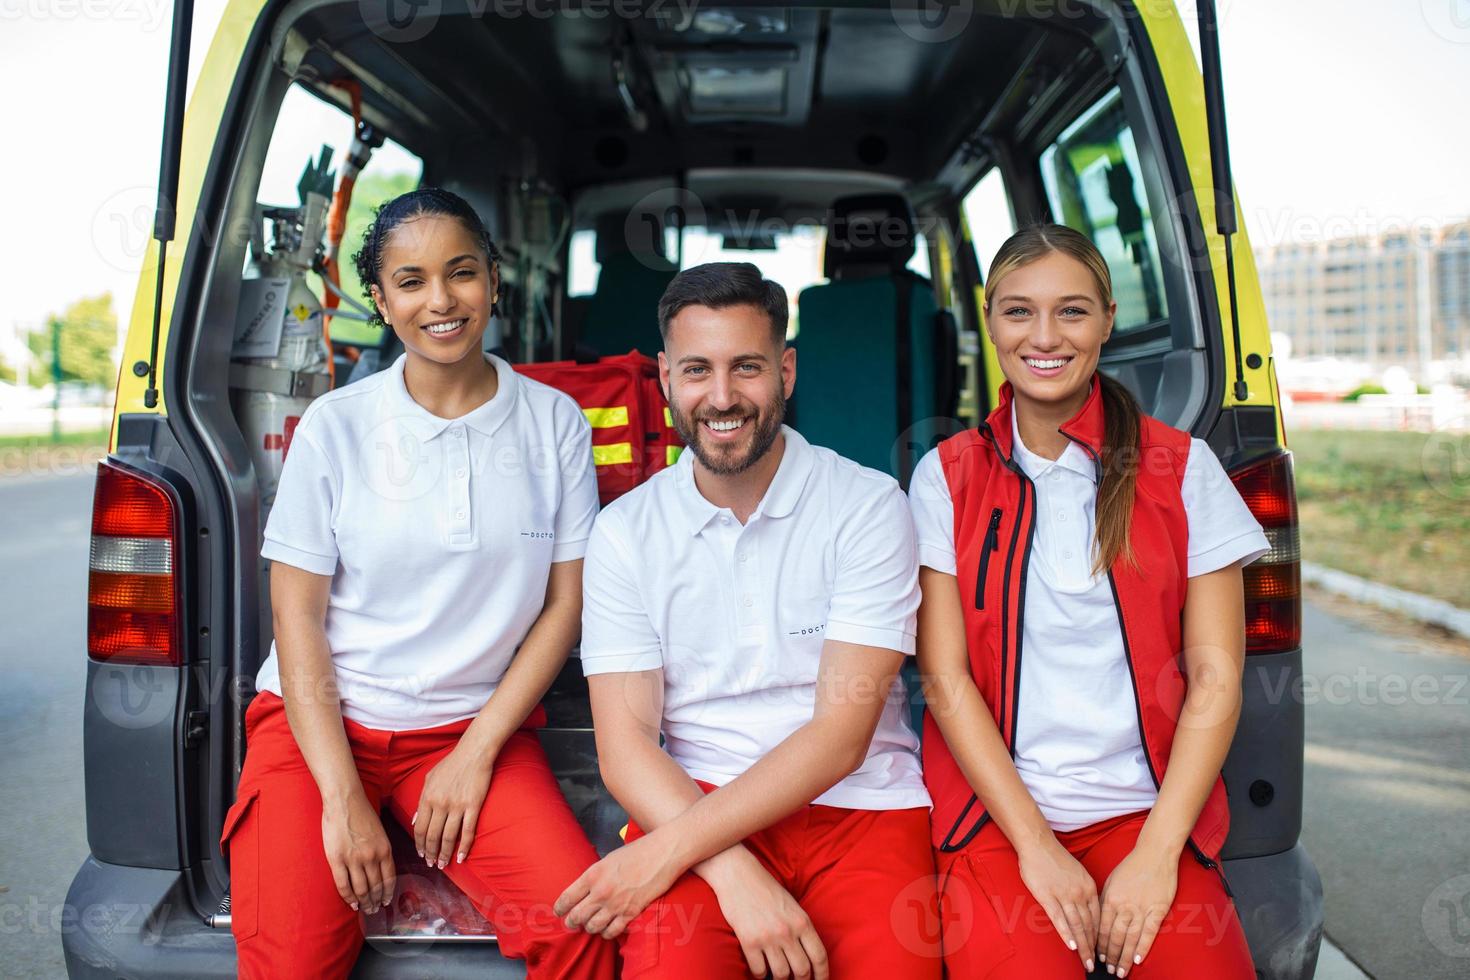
column 485, row 419
column 1036, row 466
column 780, row 499
column 1085, row 429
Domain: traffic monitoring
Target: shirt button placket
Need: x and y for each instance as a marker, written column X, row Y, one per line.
column 461, row 517
column 745, row 579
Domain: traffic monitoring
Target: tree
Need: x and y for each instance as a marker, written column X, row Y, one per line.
column 370, row 191
column 88, row 335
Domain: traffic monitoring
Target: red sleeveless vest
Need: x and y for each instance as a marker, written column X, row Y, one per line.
column 994, row 525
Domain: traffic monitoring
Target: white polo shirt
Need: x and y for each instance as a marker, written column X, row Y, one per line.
column 736, row 615
column 439, row 535
column 1079, row 755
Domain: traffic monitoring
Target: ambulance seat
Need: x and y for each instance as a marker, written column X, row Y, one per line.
column 877, row 354
column 622, row 313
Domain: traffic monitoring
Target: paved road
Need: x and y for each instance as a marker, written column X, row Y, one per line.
column 1388, row 779
column 1388, row 792
column 44, row 525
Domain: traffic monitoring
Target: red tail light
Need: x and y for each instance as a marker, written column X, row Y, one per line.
column 132, row 588
column 1273, row 582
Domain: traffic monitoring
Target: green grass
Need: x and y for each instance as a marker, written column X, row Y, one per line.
column 96, row 437
column 1393, row 507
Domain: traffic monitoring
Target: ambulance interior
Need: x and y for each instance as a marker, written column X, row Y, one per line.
column 606, row 152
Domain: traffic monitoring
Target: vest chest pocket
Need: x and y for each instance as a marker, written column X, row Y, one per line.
column 988, row 547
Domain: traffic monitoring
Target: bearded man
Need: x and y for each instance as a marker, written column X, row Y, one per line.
column 753, row 605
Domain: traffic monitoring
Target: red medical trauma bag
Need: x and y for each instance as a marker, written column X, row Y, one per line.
column 633, row 434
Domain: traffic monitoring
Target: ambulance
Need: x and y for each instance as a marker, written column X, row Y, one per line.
column 607, row 144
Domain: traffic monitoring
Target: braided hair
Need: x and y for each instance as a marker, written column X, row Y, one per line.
column 418, row 203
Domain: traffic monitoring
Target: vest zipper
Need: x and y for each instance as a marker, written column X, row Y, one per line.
column 1005, row 600
column 992, row 543
column 992, row 538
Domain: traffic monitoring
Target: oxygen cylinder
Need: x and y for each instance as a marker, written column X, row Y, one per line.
column 275, row 375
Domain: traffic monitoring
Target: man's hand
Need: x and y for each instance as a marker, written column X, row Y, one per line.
column 612, row 892
column 775, row 933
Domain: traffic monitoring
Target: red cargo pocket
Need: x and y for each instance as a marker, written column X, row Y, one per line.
column 240, row 842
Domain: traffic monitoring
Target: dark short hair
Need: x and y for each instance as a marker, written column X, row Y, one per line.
column 405, row 207
column 721, row 284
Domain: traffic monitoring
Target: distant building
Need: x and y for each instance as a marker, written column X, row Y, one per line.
column 1398, row 298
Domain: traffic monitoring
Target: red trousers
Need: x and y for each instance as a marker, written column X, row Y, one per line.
column 864, row 877
column 995, row 930
column 288, row 919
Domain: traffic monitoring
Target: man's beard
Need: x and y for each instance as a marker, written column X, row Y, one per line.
column 725, row 462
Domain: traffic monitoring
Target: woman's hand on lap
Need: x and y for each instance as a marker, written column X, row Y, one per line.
column 1135, row 900
column 1065, row 889
column 358, row 852
column 449, row 806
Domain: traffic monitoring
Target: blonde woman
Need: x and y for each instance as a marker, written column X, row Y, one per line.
column 1082, row 639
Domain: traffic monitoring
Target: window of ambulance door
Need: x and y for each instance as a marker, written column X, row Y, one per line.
column 304, row 124
column 1094, row 184
column 987, row 212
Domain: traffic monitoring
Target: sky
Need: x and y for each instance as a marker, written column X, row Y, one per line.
column 1346, row 116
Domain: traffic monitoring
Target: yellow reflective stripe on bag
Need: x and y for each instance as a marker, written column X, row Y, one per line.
column 668, row 417
column 607, row 418
column 618, row 452
column 671, row 454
